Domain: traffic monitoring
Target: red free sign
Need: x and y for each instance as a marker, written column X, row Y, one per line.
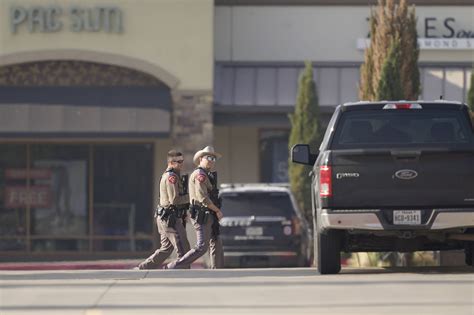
column 21, row 196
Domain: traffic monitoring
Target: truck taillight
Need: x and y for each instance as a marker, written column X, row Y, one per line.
column 403, row 106
column 325, row 181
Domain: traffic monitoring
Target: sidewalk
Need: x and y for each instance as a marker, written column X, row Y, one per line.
column 79, row 265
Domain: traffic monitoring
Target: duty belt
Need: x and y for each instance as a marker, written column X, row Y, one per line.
column 180, row 210
column 201, row 214
column 172, row 213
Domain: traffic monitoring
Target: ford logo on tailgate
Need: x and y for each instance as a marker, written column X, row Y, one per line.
column 406, row 174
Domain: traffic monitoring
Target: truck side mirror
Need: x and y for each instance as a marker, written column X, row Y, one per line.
column 301, row 154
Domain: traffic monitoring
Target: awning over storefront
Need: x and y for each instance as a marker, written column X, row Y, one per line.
column 263, row 93
column 110, row 96
column 85, row 111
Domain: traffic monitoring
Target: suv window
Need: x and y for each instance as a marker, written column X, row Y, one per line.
column 401, row 128
column 257, row 204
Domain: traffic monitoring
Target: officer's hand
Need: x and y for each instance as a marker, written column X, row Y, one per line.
column 219, row 214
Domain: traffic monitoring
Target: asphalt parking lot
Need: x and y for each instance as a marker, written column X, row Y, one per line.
column 424, row 290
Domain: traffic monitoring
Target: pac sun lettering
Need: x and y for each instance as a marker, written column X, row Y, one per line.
column 49, row 19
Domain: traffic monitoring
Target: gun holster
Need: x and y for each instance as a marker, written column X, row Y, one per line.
column 168, row 215
column 171, row 222
column 199, row 214
column 158, row 212
column 193, row 211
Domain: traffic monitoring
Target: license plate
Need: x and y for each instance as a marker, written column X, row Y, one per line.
column 407, row 217
column 254, row 231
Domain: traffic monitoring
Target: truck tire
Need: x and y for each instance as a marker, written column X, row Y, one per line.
column 328, row 252
column 469, row 252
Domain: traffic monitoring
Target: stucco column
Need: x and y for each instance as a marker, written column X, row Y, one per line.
column 191, row 123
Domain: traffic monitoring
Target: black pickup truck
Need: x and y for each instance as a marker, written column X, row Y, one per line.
column 392, row 176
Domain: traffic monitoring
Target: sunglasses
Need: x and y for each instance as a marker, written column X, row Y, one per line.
column 210, row 158
column 179, row 161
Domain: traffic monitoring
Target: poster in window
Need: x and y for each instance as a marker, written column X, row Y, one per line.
column 67, row 213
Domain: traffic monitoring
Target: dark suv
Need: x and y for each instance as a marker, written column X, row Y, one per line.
column 263, row 227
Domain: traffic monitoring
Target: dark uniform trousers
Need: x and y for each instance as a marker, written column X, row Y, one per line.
column 171, row 238
column 205, row 240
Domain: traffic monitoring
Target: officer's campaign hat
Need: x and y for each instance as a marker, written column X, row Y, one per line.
column 206, row 151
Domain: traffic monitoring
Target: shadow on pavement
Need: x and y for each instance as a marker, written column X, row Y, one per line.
column 419, row 270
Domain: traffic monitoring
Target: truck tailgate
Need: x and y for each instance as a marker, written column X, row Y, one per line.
column 402, row 178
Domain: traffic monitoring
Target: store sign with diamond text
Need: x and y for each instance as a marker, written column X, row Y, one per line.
column 438, row 34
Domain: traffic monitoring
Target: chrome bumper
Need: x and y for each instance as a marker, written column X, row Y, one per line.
column 369, row 220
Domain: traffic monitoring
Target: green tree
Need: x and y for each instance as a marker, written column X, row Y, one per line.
column 390, row 85
column 304, row 129
column 391, row 24
column 390, row 70
column 367, row 69
column 409, row 53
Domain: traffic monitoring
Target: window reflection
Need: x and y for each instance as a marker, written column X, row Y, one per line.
column 274, row 151
column 123, row 186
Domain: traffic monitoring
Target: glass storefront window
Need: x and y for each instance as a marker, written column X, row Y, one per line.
column 106, row 245
column 76, row 197
column 59, row 174
column 123, row 186
column 274, row 151
column 13, row 197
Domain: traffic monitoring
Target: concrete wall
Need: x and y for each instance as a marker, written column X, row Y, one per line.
column 240, row 149
column 320, row 33
column 171, row 39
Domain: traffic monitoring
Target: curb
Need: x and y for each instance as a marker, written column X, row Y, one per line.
column 76, row 265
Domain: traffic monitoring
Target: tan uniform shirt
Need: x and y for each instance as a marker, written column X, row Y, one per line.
column 199, row 188
column 171, row 190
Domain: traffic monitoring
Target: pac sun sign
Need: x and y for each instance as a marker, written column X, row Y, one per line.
column 54, row 18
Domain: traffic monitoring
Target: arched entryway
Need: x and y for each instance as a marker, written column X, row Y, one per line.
column 93, row 57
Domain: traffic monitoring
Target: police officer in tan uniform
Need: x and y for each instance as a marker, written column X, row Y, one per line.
column 171, row 213
column 205, row 212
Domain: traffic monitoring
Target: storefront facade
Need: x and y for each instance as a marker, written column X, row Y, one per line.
column 92, row 96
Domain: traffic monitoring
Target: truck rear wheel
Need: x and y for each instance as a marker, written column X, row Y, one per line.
column 328, row 252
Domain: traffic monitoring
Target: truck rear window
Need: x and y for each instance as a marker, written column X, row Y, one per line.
column 257, row 204
column 401, row 128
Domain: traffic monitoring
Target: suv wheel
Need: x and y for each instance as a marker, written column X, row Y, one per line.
column 328, row 251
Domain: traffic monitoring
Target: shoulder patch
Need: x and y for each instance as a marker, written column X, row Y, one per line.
column 173, row 179
column 201, row 178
